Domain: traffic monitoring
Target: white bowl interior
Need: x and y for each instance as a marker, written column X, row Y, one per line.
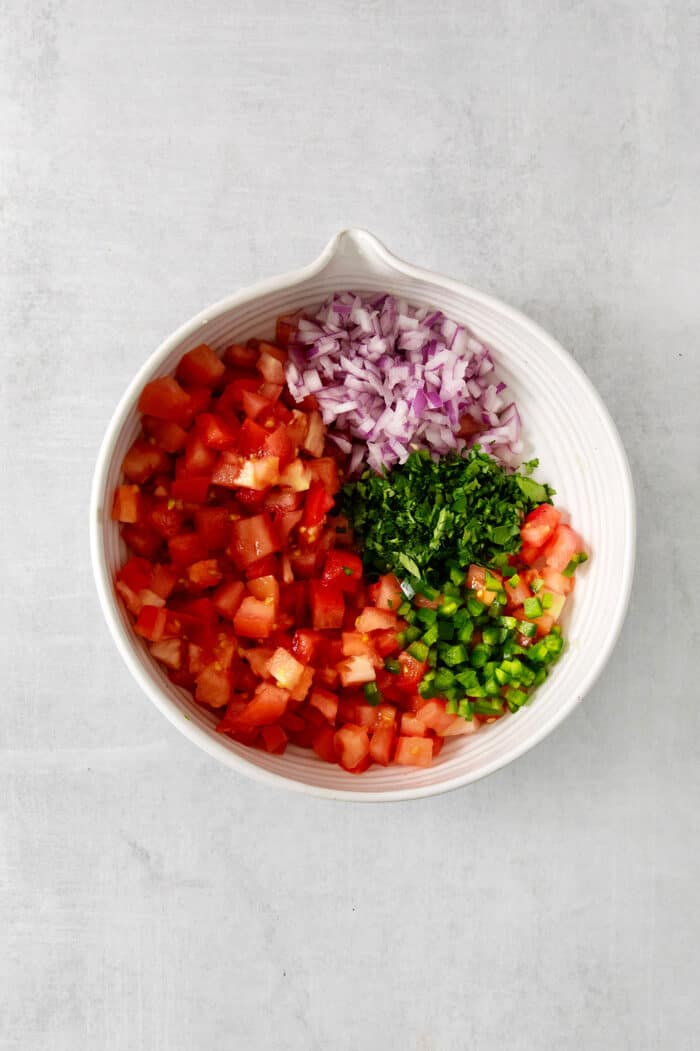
column 565, row 424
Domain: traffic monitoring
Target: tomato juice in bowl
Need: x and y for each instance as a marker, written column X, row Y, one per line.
column 356, row 260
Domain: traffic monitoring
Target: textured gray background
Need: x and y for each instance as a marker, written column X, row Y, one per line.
column 155, row 157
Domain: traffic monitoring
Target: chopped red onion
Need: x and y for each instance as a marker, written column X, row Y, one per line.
column 390, row 378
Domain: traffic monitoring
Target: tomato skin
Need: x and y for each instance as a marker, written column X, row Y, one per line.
column 151, row 622
column 186, row 549
column 274, row 739
column 168, row 436
column 143, row 460
column 144, row 542
column 305, row 644
column 165, row 399
column 323, row 744
column 213, row 527
column 317, row 503
column 327, row 606
column 217, row 433
column 252, row 539
column 200, row 367
column 343, row 569
column 539, row 526
column 191, row 489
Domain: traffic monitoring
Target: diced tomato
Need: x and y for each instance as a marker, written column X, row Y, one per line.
column 240, row 356
column 286, row 327
column 539, row 526
column 358, row 644
column 200, row 399
column 216, row 432
column 186, row 549
column 517, row 593
column 288, row 521
column 200, row 367
column 193, row 489
column 204, row 574
column 268, row 704
column 433, row 716
column 315, row 438
column 137, row 573
column 213, row 526
column 327, row 606
column 297, row 427
column 561, row 549
column 412, row 726
column 386, row 643
column 372, row 619
column 297, row 476
column 258, row 474
column 325, row 470
column 271, row 368
column 355, row 671
column 325, row 702
column 303, row 686
column 151, row 623
column 166, row 519
column 199, row 458
column 265, row 588
column 305, row 644
column 274, row 739
column 351, row 745
column 252, row 539
column 213, row 687
column 317, row 503
column 461, row 727
column 529, row 554
column 381, row 744
column 387, row 593
column 168, row 436
column 144, row 542
column 163, row 580
column 414, row 751
column 143, row 460
column 166, row 400
column 250, row 501
column 343, row 569
column 168, row 652
column 262, row 567
column 254, row 619
column 412, row 671
column 323, row 744
column 556, row 581
column 131, row 599
column 285, row 669
column 127, row 503
column 278, row 444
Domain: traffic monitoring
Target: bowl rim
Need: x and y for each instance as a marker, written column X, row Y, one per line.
column 360, row 241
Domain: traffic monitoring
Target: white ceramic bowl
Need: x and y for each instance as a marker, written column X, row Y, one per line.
column 564, row 421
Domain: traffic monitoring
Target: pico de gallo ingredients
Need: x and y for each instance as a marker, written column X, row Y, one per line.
column 246, row 582
column 391, row 378
column 430, row 519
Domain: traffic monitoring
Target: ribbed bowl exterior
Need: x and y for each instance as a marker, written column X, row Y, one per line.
column 564, row 423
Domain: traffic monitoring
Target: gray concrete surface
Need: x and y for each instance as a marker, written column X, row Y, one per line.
column 155, row 156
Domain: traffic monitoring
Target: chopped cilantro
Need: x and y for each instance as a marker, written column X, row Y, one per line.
column 425, row 517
